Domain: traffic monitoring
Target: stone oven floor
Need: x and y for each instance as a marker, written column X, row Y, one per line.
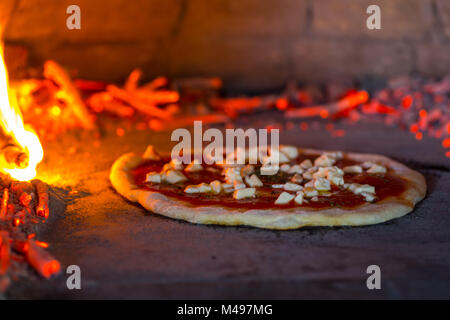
column 125, row 252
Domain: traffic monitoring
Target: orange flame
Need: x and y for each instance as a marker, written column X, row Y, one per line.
column 12, row 123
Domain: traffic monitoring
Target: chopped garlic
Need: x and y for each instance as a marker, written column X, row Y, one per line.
column 239, row 185
column 369, row 197
column 322, row 172
column 216, row 186
column 308, row 174
column 335, row 178
column 310, row 192
column 360, row 188
column 291, row 152
column 296, row 169
column 253, row 181
column 299, row 198
column 266, row 170
column 173, row 176
column 297, row 178
column 284, row 198
column 153, row 177
column 278, row 186
column 285, row 167
column 233, row 174
column 306, row 164
column 247, row 170
column 310, row 184
column 228, row 190
column 367, row 164
column 324, row 161
column 199, row 188
column 244, row 193
column 292, row 187
column 353, row 169
column 151, row 154
column 322, row 184
column 194, row 167
column 335, row 154
column 325, row 193
column 376, row 169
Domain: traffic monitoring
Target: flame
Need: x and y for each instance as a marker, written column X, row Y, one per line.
column 12, row 123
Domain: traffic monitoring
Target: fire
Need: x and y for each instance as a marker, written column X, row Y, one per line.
column 12, row 124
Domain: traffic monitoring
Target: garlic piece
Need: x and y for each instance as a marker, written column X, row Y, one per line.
column 322, row 184
column 266, row 170
column 216, row 186
column 290, row 151
column 360, row 188
column 369, row 197
column 376, row 169
column 324, row 161
column 297, row 178
column 153, row 177
column 299, row 198
column 199, row 188
column 310, row 192
column 173, row 176
column 306, row 164
column 253, row 181
column 239, row 185
column 194, row 167
column 244, row 193
column 296, row 169
column 284, row 198
column 353, row 169
column 233, row 174
column 292, row 187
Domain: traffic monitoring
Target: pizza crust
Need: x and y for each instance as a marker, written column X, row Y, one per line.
column 281, row 219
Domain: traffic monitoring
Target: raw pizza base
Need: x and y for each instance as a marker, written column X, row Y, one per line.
column 281, row 219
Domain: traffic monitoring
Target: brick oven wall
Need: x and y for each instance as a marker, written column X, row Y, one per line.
column 252, row 44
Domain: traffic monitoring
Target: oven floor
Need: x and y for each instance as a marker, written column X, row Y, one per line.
column 126, row 252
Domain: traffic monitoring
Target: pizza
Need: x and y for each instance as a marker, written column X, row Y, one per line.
column 310, row 188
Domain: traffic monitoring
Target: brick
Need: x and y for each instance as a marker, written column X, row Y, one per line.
column 433, row 59
column 443, row 11
column 399, row 19
column 243, row 63
column 216, row 18
column 101, row 21
column 322, row 60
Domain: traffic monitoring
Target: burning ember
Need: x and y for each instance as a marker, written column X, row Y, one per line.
column 23, row 204
column 22, row 150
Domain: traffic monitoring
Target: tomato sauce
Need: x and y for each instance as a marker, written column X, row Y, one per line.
column 386, row 185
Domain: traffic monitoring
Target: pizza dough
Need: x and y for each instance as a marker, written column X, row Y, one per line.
column 407, row 188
